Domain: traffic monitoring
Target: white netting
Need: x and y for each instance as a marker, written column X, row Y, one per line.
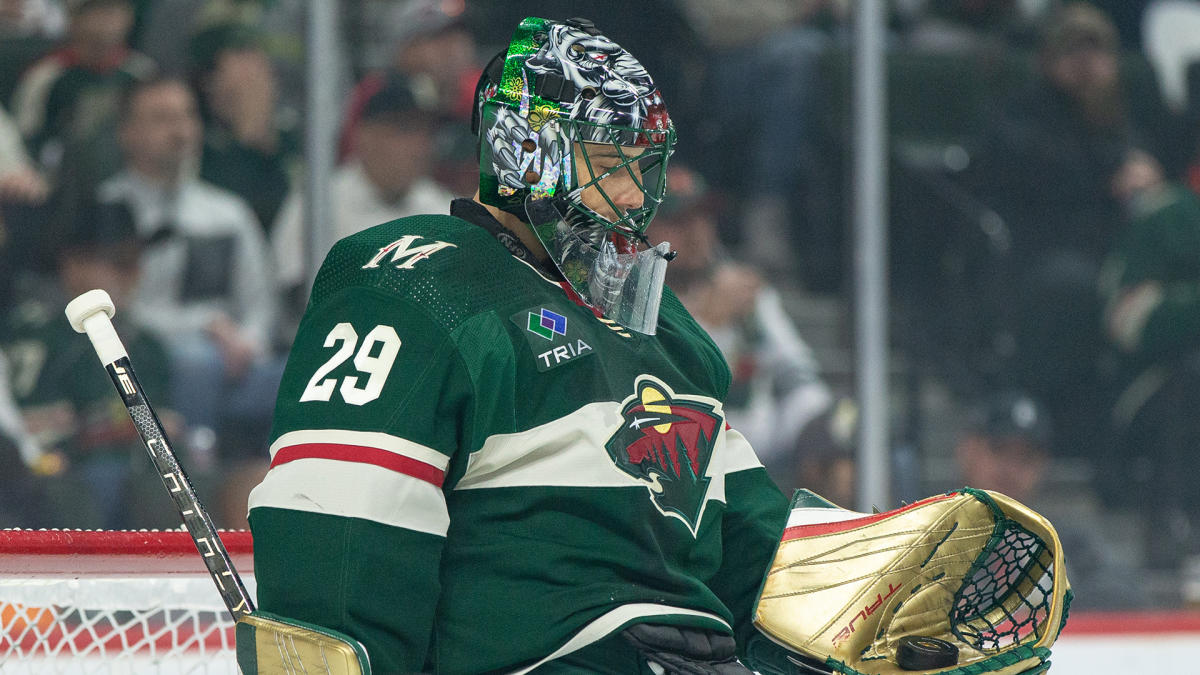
column 84, row 623
column 115, row 626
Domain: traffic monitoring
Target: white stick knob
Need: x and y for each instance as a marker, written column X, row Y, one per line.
column 90, row 313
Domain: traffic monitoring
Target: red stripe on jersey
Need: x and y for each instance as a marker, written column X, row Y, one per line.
column 361, row 454
column 816, row 529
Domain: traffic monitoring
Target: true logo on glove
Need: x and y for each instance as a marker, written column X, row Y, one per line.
column 867, row 610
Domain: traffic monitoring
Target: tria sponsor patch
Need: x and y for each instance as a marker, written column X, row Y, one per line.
column 553, row 340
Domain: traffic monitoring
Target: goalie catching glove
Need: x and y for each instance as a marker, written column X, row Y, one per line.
column 964, row 583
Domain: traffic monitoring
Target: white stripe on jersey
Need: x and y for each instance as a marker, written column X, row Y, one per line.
column 354, row 490
column 738, row 455
column 370, row 439
column 815, row 515
column 569, row 452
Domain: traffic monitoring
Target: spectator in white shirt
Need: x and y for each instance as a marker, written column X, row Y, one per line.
column 206, row 276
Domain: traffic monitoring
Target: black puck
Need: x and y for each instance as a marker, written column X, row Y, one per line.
column 917, row 652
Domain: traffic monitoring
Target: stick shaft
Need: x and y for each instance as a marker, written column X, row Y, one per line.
column 195, row 518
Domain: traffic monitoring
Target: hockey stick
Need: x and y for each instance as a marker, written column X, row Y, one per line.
column 266, row 644
column 91, row 313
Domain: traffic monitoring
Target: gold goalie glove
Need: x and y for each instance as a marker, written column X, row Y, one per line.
column 964, row 583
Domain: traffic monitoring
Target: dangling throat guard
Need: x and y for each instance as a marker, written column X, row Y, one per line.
column 605, row 268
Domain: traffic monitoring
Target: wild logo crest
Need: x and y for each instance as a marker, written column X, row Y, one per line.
column 666, row 442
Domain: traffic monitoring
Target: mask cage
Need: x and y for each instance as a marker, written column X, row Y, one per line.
column 647, row 170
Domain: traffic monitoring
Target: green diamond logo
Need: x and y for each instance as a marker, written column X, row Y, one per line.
column 547, row 324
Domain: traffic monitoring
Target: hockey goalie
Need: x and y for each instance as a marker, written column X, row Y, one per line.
column 500, row 445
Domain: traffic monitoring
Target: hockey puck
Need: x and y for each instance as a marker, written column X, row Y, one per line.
column 917, row 652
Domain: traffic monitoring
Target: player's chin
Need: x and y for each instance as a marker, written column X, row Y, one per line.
column 608, row 215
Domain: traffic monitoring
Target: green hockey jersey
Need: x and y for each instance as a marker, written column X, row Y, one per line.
column 472, row 472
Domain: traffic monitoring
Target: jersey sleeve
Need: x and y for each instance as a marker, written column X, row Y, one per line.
column 350, row 520
column 754, row 519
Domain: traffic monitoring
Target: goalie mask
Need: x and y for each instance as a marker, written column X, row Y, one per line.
column 574, row 140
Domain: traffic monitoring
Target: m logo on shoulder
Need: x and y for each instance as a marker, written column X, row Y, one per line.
column 404, row 254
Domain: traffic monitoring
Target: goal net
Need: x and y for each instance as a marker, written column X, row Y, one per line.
column 75, row 601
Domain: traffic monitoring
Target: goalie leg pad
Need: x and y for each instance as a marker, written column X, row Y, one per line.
column 273, row 645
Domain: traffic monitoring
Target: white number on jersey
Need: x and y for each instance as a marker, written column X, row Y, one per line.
column 377, row 366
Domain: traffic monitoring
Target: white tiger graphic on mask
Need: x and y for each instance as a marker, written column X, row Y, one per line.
column 512, row 162
column 621, row 83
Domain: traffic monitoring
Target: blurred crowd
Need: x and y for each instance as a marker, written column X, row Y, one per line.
column 1044, row 220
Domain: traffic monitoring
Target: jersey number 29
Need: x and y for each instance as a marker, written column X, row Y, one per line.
column 377, row 366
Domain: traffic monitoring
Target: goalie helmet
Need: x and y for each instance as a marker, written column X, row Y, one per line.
column 565, row 119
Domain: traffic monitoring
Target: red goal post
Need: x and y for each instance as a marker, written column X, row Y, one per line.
column 84, row 601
